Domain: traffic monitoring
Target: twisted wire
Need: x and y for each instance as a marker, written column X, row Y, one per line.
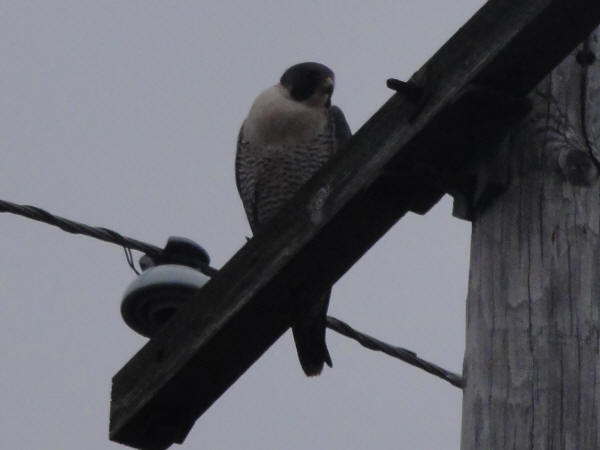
column 403, row 354
column 107, row 235
column 70, row 226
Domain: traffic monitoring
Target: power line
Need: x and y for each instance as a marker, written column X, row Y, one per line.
column 108, row 235
column 70, row 226
column 403, row 354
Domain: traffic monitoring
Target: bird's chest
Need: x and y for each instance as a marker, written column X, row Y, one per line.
column 276, row 124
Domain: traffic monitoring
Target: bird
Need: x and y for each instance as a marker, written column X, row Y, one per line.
column 291, row 131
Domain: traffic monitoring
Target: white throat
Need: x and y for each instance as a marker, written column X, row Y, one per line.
column 275, row 118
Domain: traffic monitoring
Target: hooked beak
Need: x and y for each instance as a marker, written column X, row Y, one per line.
column 328, row 85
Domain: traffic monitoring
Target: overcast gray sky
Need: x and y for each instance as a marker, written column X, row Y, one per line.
column 125, row 114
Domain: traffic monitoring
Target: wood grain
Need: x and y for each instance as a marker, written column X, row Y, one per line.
column 532, row 361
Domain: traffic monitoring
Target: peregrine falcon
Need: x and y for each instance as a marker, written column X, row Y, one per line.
column 290, row 132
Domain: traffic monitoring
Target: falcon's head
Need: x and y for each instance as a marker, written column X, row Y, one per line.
column 310, row 83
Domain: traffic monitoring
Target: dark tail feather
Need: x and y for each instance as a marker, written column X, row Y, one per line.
column 309, row 336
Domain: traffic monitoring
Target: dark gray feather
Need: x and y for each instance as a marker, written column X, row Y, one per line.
column 341, row 129
column 246, row 174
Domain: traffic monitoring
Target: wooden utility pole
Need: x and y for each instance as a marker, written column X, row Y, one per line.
column 402, row 159
column 532, row 361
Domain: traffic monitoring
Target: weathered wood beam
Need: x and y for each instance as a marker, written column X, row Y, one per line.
column 383, row 172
